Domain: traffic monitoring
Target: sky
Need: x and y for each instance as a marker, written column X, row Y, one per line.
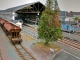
column 64, row 5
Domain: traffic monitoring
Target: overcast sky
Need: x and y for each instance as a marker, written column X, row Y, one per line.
column 64, row 5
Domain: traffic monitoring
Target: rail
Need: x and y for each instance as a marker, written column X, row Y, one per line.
column 23, row 52
column 77, row 33
column 70, row 42
column 30, row 27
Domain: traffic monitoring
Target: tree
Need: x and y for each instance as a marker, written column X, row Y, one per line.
column 76, row 18
column 49, row 26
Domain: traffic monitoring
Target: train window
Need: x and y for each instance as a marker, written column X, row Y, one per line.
column 67, row 27
column 17, row 34
column 72, row 26
column 13, row 34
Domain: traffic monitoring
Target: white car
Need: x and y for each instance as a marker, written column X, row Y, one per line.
column 20, row 20
column 19, row 24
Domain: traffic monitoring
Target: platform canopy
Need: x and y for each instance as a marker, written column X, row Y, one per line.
column 35, row 7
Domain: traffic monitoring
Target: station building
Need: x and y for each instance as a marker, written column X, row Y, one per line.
column 29, row 13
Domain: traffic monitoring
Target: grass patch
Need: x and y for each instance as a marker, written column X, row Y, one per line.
column 37, row 43
column 42, row 46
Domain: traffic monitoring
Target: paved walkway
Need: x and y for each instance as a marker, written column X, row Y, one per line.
column 69, row 49
column 7, row 50
column 64, row 55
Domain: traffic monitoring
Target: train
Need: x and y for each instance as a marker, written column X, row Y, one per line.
column 68, row 26
column 11, row 30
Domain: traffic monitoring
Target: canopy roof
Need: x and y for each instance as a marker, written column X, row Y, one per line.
column 26, row 6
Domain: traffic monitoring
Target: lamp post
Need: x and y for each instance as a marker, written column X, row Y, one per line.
column 37, row 17
column 13, row 16
column 65, row 13
column 38, row 13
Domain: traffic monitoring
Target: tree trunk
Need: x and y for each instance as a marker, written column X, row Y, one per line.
column 47, row 42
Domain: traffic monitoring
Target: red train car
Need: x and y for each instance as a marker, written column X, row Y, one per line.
column 12, row 31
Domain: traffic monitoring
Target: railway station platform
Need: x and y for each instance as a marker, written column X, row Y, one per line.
column 7, row 50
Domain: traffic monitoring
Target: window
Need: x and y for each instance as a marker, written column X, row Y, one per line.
column 15, row 34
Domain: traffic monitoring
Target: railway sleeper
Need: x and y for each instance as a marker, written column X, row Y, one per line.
column 76, row 43
column 72, row 40
column 71, row 44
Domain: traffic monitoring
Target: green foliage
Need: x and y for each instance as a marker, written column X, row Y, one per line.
column 76, row 18
column 60, row 21
column 49, row 4
column 48, row 30
column 37, row 43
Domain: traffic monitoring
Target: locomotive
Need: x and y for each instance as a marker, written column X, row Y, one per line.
column 11, row 30
column 68, row 26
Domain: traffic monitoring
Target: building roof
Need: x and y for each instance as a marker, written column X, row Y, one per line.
column 13, row 9
column 65, row 13
column 76, row 13
column 62, row 13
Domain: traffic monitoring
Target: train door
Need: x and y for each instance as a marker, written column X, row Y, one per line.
column 72, row 29
column 68, row 28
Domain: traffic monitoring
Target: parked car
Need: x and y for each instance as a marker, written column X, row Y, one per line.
column 20, row 20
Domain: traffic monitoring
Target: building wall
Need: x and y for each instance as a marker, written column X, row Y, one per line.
column 69, row 19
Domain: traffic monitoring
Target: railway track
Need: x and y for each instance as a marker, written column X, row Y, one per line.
column 33, row 29
column 77, row 33
column 30, row 27
column 67, row 41
column 23, row 52
column 70, row 42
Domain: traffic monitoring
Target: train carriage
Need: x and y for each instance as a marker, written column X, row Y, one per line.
column 68, row 26
column 12, row 31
